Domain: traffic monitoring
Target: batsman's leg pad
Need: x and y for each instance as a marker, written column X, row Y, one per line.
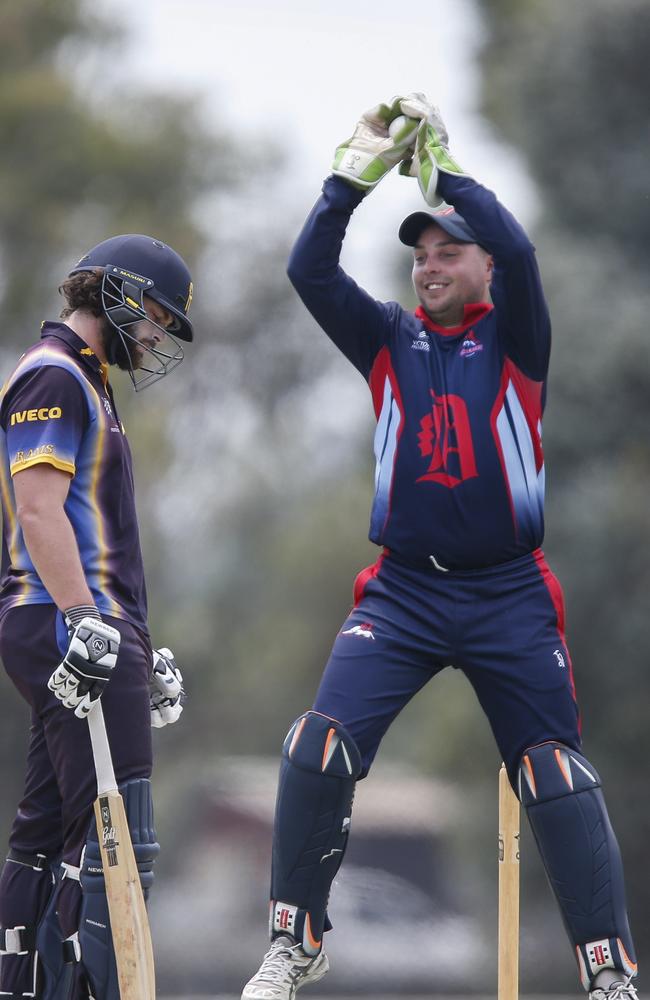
column 95, row 938
column 318, row 773
column 58, row 959
column 33, row 958
column 561, row 793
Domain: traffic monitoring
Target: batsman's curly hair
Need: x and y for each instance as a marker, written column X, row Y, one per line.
column 82, row 291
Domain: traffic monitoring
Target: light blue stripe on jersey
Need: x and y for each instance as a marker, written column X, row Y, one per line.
column 525, row 483
column 385, row 446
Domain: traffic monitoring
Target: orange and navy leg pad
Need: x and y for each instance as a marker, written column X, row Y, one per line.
column 319, row 769
column 561, row 793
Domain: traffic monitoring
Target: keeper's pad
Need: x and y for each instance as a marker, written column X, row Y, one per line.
column 320, row 765
column 566, row 809
column 95, row 940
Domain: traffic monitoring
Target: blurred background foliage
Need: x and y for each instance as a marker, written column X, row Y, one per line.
column 253, row 463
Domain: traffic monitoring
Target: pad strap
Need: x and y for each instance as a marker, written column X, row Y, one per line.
column 17, row 940
column 38, row 862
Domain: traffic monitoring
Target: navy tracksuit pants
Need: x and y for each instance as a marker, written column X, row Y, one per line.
column 503, row 626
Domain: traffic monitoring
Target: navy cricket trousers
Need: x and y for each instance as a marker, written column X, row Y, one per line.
column 503, row 626
column 55, row 813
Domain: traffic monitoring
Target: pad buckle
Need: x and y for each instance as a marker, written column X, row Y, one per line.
column 37, row 862
column 12, row 942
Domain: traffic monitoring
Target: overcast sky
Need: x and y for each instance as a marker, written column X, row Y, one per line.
column 306, row 71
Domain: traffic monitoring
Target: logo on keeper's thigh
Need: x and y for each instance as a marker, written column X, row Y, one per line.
column 559, row 656
column 365, row 630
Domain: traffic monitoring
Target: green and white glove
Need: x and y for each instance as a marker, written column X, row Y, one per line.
column 431, row 153
column 383, row 137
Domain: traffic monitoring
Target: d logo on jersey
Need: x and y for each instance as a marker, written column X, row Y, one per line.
column 446, row 436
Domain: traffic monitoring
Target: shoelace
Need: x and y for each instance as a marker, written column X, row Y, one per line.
column 277, row 961
column 618, row 991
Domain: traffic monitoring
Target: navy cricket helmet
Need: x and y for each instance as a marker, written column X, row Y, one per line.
column 135, row 266
column 153, row 267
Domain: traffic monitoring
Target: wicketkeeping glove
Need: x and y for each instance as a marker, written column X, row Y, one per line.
column 373, row 151
column 79, row 680
column 167, row 691
column 431, row 148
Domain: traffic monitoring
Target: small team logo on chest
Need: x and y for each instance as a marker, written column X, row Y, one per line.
column 421, row 342
column 470, row 346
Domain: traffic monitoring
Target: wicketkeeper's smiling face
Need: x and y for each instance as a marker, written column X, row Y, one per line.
column 449, row 274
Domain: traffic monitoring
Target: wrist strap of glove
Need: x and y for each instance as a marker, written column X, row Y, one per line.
column 78, row 612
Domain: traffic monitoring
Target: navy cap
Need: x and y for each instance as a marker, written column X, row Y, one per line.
column 447, row 218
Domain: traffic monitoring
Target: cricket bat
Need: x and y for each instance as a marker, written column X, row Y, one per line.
column 126, row 907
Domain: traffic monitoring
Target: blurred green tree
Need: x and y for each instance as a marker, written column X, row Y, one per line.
column 81, row 164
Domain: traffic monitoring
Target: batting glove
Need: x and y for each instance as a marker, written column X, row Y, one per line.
column 382, row 138
column 167, row 691
column 431, row 153
column 79, row 680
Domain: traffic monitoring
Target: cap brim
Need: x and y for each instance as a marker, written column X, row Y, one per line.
column 413, row 226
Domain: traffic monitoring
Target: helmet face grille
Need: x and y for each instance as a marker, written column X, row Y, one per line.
column 146, row 361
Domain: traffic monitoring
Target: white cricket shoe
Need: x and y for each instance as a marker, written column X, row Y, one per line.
column 620, row 990
column 284, row 970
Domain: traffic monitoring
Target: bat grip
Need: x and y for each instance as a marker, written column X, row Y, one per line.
column 101, row 750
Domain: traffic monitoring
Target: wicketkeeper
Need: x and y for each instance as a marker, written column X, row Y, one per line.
column 73, row 610
column 458, row 390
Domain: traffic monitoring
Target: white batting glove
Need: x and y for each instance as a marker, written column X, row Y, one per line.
column 380, row 141
column 79, row 680
column 431, row 153
column 167, row 691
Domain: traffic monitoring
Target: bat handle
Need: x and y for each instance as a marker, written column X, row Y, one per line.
column 101, row 750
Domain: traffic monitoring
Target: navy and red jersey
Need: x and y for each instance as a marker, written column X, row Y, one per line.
column 57, row 407
column 459, row 465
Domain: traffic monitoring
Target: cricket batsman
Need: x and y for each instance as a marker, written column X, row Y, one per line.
column 458, row 389
column 73, row 609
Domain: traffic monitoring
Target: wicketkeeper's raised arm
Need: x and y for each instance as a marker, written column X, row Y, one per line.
column 517, row 292
column 357, row 323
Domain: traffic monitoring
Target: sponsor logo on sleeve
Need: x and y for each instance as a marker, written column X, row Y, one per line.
column 42, row 413
column 30, row 453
